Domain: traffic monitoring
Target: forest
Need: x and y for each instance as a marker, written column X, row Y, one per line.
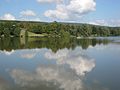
column 56, row 29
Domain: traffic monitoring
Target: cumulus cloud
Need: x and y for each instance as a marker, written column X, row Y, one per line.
column 28, row 13
column 74, row 9
column 59, row 13
column 7, row 16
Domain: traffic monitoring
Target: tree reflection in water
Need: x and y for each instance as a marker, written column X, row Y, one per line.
column 54, row 44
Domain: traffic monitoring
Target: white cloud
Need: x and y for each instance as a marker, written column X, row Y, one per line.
column 28, row 13
column 73, row 10
column 81, row 6
column 103, row 22
column 93, row 23
column 59, row 13
column 7, row 16
column 98, row 22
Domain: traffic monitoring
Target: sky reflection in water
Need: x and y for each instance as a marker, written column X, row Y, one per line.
column 65, row 69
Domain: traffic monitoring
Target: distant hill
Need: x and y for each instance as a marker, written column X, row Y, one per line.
column 56, row 29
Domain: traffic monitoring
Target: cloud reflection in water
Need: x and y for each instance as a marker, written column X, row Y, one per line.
column 56, row 74
column 76, row 59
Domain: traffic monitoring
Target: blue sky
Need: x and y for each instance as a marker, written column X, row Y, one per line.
column 101, row 12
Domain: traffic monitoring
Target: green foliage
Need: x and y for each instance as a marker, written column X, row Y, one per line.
column 55, row 29
column 16, row 32
column 6, row 32
column 64, row 34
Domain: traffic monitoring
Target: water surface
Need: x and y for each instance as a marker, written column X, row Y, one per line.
column 59, row 64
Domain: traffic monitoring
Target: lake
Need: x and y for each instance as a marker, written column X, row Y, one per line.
column 60, row 63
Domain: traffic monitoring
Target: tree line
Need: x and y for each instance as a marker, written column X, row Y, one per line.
column 13, row 28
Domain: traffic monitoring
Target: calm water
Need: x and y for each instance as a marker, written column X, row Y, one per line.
column 59, row 64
